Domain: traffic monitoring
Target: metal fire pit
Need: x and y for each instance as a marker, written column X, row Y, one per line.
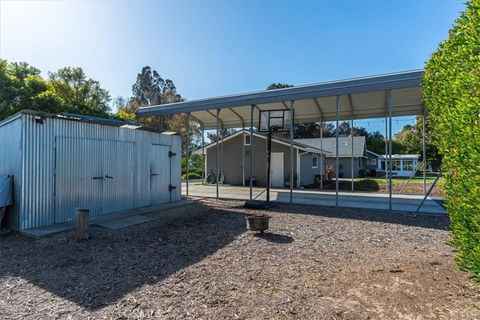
column 257, row 222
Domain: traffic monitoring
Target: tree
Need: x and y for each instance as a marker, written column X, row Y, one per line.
column 213, row 137
column 151, row 89
column 410, row 138
column 278, row 85
column 451, row 91
column 79, row 94
column 67, row 90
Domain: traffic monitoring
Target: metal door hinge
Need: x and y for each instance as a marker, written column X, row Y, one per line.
column 171, row 153
column 170, row 187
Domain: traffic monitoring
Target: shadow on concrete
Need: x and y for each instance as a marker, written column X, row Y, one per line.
column 275, row 237
column 111, row 264
column 431, row 221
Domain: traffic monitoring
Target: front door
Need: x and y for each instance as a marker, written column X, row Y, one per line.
column 159, row 174
column 276, row 170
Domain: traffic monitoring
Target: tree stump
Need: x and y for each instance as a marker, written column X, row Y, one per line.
column 82, row 224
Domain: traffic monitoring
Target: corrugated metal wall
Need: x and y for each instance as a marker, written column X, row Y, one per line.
column 10, row 162
column 116, row 151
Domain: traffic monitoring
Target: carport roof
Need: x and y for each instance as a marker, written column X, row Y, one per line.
column 360, row 98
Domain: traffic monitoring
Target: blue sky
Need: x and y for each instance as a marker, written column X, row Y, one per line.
column 211, row 48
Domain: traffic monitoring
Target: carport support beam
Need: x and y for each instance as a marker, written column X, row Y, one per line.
column 187, row 149
column 351, row 164
column 292, row 121
column 424, row 151
column 204, row 156
column 336, row 150
column 322, row 165
column 389, row 105
column 250, row 180
column 218, row 149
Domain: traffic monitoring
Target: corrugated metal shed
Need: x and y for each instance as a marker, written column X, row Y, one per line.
column 62, row 162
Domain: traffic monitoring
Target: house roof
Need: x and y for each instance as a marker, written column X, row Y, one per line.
column 401, row 156
column 344, row 145
column 358, row 98
column 297, row 145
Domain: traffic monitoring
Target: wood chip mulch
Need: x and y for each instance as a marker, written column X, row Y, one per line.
column 313, row 263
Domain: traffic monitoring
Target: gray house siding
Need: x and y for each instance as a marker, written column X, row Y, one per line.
column 307, row 172
column 344, row 164
column 231, row 160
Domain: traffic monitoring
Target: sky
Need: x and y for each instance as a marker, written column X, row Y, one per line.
column 218, row 47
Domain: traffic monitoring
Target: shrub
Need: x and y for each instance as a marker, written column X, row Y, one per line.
column 192, row 175
column 452, row 94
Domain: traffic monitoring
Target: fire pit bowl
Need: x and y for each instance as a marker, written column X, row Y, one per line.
column 257, row 222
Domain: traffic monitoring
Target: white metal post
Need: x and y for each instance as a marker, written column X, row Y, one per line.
column 385, row 160
column 291, row 150
column 243, row 155
column 251, row 152
column 218, row 150
column 389, row 103
column 336, row 151
column 187, row 148
column 204, row 155
column 351, row 164
column 424, row 151
column 321, row 164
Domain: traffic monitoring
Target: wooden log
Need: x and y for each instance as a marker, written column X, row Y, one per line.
column 82, row 224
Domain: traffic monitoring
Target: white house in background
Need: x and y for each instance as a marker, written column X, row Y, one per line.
column 403, row 165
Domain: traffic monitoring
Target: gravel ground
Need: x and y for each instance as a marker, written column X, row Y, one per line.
column 315, row 263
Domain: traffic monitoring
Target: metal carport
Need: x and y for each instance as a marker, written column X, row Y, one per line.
column 377, row 96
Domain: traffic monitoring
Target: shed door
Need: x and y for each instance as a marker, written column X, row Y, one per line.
column 118, row 172
column 78, row 177
column 159, row 174
column 97, row 175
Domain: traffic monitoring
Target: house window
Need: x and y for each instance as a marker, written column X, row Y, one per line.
column 371, row 162
column 247, row 139
column 408, row 165
column 384, row 165
column 396, row 165
column 314, row 162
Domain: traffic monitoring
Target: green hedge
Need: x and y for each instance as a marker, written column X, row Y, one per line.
column 452, row 94
column 192, row 175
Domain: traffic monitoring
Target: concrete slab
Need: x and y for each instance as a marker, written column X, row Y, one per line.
column 400, row 202
column 114, row 221
column 115, row 224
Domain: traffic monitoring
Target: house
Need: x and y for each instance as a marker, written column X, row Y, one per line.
column 311, row 158
column 403, row 165
column 345, row 155
column 234, row 159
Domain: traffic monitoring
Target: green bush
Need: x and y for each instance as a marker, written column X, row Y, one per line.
column 192, row 175
column 452, row 94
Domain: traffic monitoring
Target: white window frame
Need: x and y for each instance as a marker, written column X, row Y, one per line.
column 314, row 161
column 245, row 136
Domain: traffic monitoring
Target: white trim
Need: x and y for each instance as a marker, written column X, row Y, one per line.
column 245, row 136
column 315, row 156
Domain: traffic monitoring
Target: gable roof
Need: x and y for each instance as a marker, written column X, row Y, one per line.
column 344, row 145
column 296, row 145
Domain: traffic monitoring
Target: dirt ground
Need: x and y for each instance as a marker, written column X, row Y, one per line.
column 316, row 263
